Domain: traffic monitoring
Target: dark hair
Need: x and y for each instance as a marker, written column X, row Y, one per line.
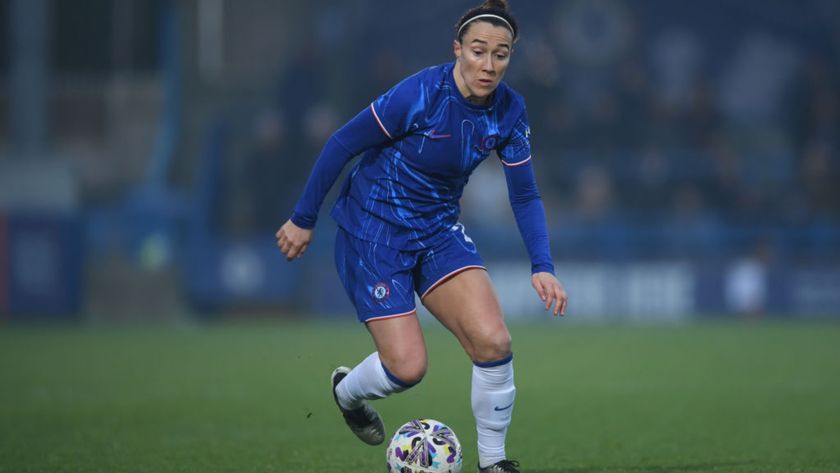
column 489, row 7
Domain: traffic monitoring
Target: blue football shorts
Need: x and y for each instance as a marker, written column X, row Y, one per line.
column 381, row 281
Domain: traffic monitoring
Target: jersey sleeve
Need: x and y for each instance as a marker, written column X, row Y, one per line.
column 389, row 117
column 516, row 150
column 530, row 215
column 356, row 136
column 524, row 197
column 397, row 109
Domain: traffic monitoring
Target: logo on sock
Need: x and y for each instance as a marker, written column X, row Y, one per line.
column 497, row 408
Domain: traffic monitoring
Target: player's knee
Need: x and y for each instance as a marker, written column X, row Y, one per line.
column 411, row 374
column 408, row 369
column 492, row 346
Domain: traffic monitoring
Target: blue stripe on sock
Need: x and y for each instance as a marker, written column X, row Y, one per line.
column 396, row 380
column 491, row 364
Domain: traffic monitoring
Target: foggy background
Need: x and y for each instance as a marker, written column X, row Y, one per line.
column 687, row 153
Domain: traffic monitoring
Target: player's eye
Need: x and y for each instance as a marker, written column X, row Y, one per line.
column 478, row 52
column 501, row 56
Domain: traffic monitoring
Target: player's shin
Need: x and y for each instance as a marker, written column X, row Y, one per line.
column 368, row 380
column 493, row 394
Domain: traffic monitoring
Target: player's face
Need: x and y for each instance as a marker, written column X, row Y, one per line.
column 482, row 57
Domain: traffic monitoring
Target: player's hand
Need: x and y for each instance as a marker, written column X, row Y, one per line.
column 551, row 292
column 293, row 240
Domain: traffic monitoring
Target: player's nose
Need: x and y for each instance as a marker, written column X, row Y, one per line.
column 487, row 64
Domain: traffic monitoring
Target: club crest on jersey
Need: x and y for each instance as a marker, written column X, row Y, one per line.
column 489, row 143
column 381, row 291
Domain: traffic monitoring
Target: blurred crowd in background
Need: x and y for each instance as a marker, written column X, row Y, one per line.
column 183, row 132
column 658, row 129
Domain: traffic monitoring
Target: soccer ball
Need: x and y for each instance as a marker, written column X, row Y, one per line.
column 424, row 446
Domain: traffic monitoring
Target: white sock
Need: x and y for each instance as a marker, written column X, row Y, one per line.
column 368, row 380
column 493, row 393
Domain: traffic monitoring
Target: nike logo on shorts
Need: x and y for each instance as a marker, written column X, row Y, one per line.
column 497, row 408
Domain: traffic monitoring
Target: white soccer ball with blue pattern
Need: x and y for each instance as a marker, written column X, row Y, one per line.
column 424, row 446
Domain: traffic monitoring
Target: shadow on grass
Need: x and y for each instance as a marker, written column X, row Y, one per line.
column 644, row 468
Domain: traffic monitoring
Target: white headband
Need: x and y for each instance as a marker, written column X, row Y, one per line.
column 486, row 15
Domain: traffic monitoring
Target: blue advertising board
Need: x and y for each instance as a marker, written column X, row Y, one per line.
column 40, row 266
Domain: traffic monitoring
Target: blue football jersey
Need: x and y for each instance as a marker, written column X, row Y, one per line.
column 405, row 192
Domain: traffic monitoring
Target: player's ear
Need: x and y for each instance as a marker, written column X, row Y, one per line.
column 456, row 48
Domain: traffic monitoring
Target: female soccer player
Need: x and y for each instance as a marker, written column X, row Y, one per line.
column 399, row 233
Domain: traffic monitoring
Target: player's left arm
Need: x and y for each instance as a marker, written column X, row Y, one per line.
column 528, row 209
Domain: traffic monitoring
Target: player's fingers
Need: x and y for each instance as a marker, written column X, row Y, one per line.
column 295, row 251
column 559, row 297
column 296, row 254
column 554, row 299
column 564, row 300
column 548, row 297
column 286, row 247
column 303, row 249
column 282, row 234
column 292, row 253
column 540, row 288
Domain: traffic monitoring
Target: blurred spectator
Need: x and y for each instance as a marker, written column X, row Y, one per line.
column 728, row 190
column 634, row 93
column 746, row 284
column 754, row 85
column 676, row 57
column 593, row 32
column 319, row 121
column 385, row 71
column 820, row 178
column 651, row 185
column 693, row 224
column 593, row 194
column 703, row 117
column 303, row 82
column 816, row 101
column 253, row 181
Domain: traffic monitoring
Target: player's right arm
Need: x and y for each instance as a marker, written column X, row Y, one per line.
column 383, row 121
column 357, row 135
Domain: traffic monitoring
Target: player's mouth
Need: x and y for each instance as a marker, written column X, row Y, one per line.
column 485, row 82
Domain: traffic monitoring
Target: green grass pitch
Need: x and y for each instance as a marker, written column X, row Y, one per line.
column 724, row 397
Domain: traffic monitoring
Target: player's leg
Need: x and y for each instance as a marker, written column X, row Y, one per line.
column 466, row 304
column 455, row 288
column 398, row 363
column 378, row 281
